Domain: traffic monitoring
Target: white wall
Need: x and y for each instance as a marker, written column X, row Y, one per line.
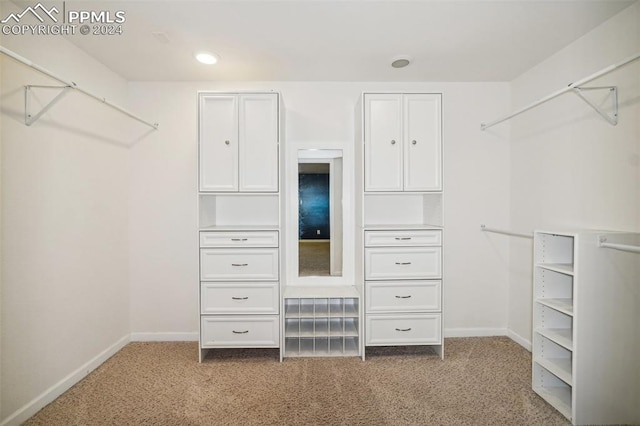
column 569, row 167
column 65, row 182
column 163, row 240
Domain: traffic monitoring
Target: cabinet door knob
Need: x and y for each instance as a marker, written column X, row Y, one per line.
column 239, row 264
column 403, row 263
column 393, row 142
column 227, row 142
column 403, row 297
column 413, row 142
column 245, row 298
column 240, row 332
column 403, row 329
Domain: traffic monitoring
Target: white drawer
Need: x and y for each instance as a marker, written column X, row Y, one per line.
column 240, row 332
column 418, row 329
column 239, row 264
column 403, row 296
column 403, row 238
column 239, row 298
column 388, row 263
column 239, row 239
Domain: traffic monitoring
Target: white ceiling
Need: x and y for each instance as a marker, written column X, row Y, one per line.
column 349, row 40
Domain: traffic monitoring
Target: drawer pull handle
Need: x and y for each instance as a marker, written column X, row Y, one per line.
column 403, row 263
column 403, row 297
column 240, row 332
column 245, row 298
column 238, row 239
column 403, row 329
column 239, row 264
column 403, row 238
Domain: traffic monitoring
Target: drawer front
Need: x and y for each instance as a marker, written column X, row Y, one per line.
column 402, row 238
column 239, row 298
column 240, row 332
column 403, row 296
column 388, row 263
column 419, row 329
column 239, row 264
column 239, row 239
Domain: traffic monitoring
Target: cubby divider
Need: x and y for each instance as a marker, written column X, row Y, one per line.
column 321, row 326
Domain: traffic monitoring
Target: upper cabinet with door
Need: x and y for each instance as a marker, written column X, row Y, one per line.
column 239, row 142
column 402, row 142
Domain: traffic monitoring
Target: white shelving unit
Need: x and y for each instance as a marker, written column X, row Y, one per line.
column 553, row 319
column 239, row 220
column 585, row 327
column 321, row 321
column 399, row 213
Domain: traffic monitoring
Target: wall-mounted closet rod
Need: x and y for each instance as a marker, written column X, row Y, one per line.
column 503, row 232
column 623, row 247
column 569, row 88
column 73, row 85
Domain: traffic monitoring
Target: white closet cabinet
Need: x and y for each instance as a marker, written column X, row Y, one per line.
column 399, row 212
column 238, row 136
column 402, row 142
column 586, row 334
column 239, row 221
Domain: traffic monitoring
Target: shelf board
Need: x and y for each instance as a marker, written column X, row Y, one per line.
column 561, row 336
column 563, row 268
column 560, row 367
column 561, row 305
column 318, row 292
column 395, row 227
column 240, row 228
column 321, row 354
column 558, row 397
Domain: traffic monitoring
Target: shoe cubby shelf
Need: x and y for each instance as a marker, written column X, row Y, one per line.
column 321, row 326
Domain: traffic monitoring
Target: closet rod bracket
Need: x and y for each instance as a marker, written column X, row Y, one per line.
column 29, row 117
column 613, row 91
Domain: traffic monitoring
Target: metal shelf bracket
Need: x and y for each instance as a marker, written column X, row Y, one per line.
column 29, row 116
column 613, row 91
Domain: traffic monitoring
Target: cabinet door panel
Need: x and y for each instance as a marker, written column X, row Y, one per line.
column 422, row 143
column 218, row 143
column 239, row 298
column 404, row 238
column 239, row 264
column 239, row 239
column 258, row 136
column 416, row 329
column 383, row 142
column 409, row 263
column 403, row 296
column 256, row 331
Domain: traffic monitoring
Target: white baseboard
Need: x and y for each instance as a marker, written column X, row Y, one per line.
column 519, row 340
column 165, row 337
column 38, row 403
column 485, row 332
column 474, row 332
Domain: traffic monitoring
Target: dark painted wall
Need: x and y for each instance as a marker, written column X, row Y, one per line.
column 313, row 193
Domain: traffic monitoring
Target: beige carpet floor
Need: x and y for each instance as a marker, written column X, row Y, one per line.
column 482, row 381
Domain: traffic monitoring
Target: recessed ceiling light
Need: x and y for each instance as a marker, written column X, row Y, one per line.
column 401, row 61
column 206, row 58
